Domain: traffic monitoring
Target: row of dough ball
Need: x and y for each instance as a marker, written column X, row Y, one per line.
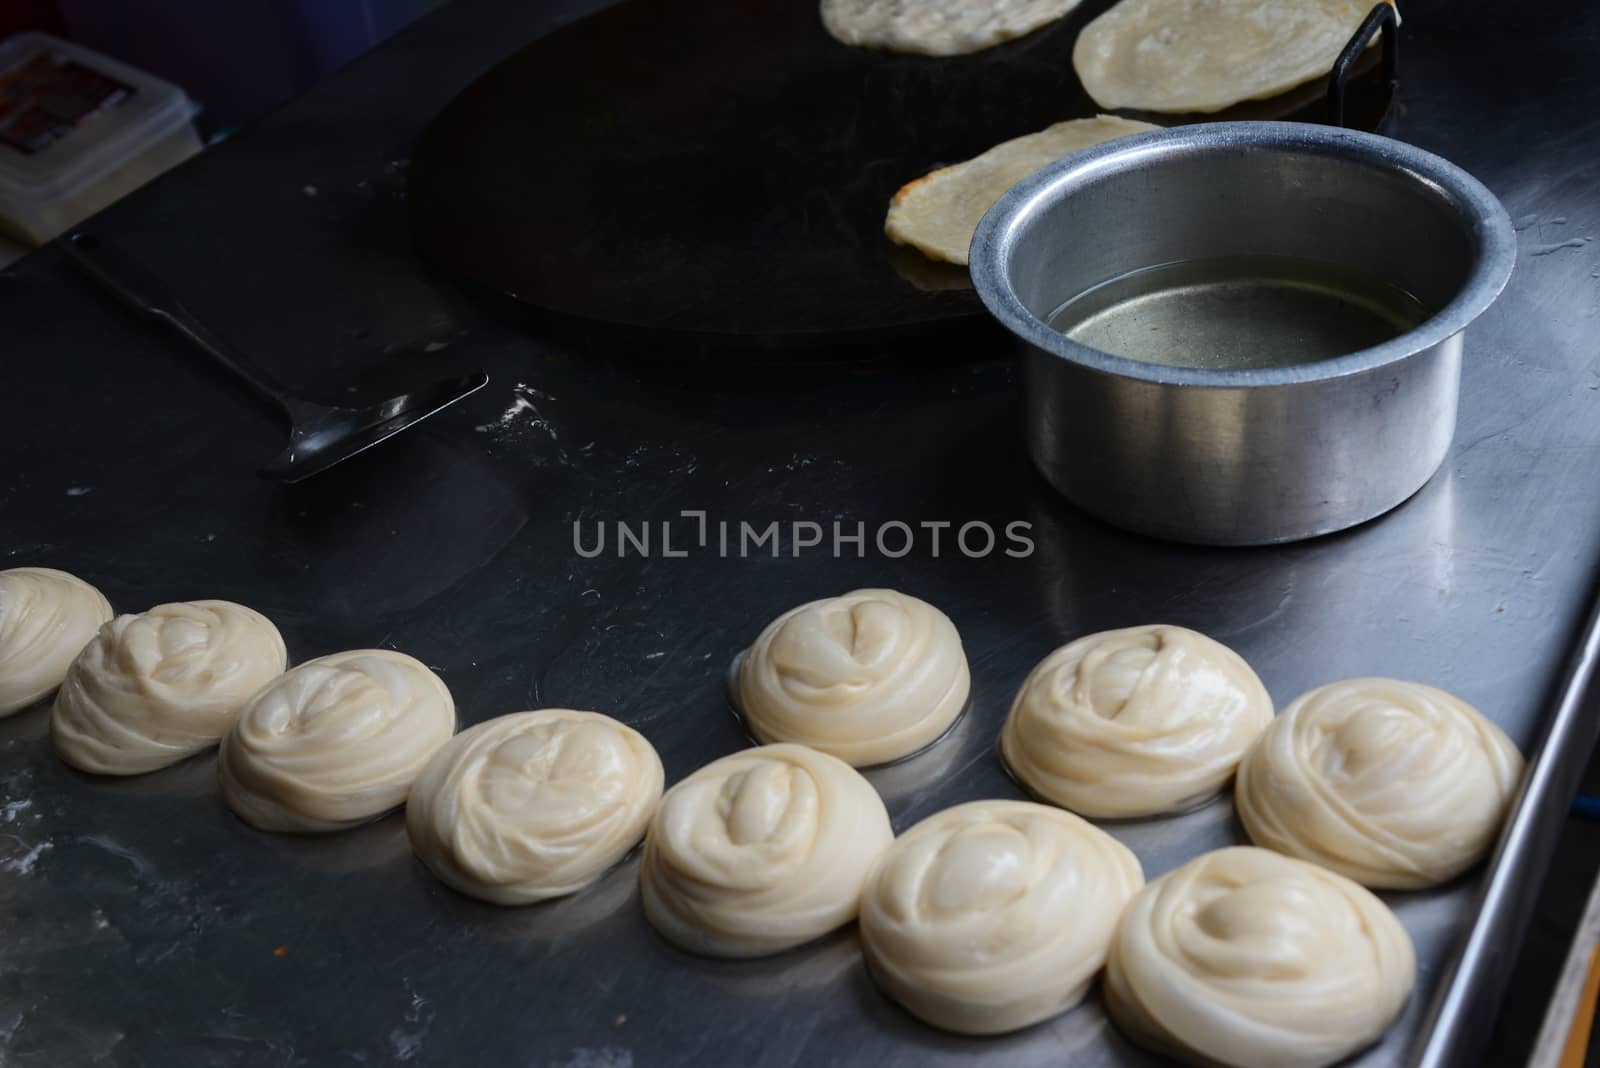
column 133, row 692
column 514, row 810
column 1392, row 783
column 983, row 918
column 334, row 742
column 996, row 915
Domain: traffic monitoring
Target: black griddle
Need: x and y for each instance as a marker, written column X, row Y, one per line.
column 721, row 167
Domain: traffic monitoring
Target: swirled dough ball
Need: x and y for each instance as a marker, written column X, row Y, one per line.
column 156, row 687
column 1393, row 784
column 760, row 851
column 46, row 618
column 1134, row 722
column 533, row 805
column 994, row 915
column 868, row 677
column 335, row 742
column 1247, row 958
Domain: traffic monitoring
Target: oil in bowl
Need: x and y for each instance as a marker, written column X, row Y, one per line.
column 1238, row 312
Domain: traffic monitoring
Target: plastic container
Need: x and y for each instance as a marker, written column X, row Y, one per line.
column 78, row 131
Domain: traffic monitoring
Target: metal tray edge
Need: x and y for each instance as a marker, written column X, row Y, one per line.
column 1467, row 1002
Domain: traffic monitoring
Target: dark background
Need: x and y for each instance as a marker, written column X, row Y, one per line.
column 238, row 58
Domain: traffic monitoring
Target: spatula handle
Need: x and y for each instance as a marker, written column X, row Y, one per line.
column 146, row 294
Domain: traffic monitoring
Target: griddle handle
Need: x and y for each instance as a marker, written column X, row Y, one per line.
column 146, row 294
column 1384, row 18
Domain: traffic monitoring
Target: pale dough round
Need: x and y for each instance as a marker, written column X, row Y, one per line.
column 335, row 742
column 46, row 618
column 1247, row 958
column 1206, row 55
column 939, row 212
column 760, row 851
column 994, row 915
column 533, row 805
column 1134, row 722
column 937, row 27
column 1394, row 784
column 154, row 688
column 868, row 677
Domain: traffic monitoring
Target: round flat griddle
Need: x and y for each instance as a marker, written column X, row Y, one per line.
column 722, row 167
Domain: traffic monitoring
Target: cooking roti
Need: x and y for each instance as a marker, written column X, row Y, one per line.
column 937, row 27
column 939, row 212
column 1206, row 55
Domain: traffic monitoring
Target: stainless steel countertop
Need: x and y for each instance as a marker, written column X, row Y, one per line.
column 143, row 924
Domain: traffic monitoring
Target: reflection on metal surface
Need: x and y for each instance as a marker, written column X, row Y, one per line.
column 907, row 784
column 1053, row 1042
column 814, row 966
column 337, row 537
column 194, row 777
column 372, row 845
column 552, row 921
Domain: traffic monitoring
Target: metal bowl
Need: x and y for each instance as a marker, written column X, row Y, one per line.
column 1281, row 449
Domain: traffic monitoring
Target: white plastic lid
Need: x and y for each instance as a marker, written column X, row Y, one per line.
column 69, row 116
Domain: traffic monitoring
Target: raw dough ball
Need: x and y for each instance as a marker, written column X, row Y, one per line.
column 335, row 742
column 1393, row 784
column 994, row 915
column 939, row 212
column 1206, row 55
column 153, row 688
column 937, row 27
column 1134, row 722
column 1250, row 959
column 46, row 618
column 533, row 805
column 868, row 677
column 760, row 851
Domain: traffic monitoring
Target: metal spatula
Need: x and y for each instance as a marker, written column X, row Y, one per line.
column 320, row 435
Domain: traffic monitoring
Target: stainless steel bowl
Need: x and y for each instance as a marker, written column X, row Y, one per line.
column 1258, row 454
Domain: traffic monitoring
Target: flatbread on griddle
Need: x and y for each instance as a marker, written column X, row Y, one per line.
column 1206, row 55
column 938, row 212
column 937, row 27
